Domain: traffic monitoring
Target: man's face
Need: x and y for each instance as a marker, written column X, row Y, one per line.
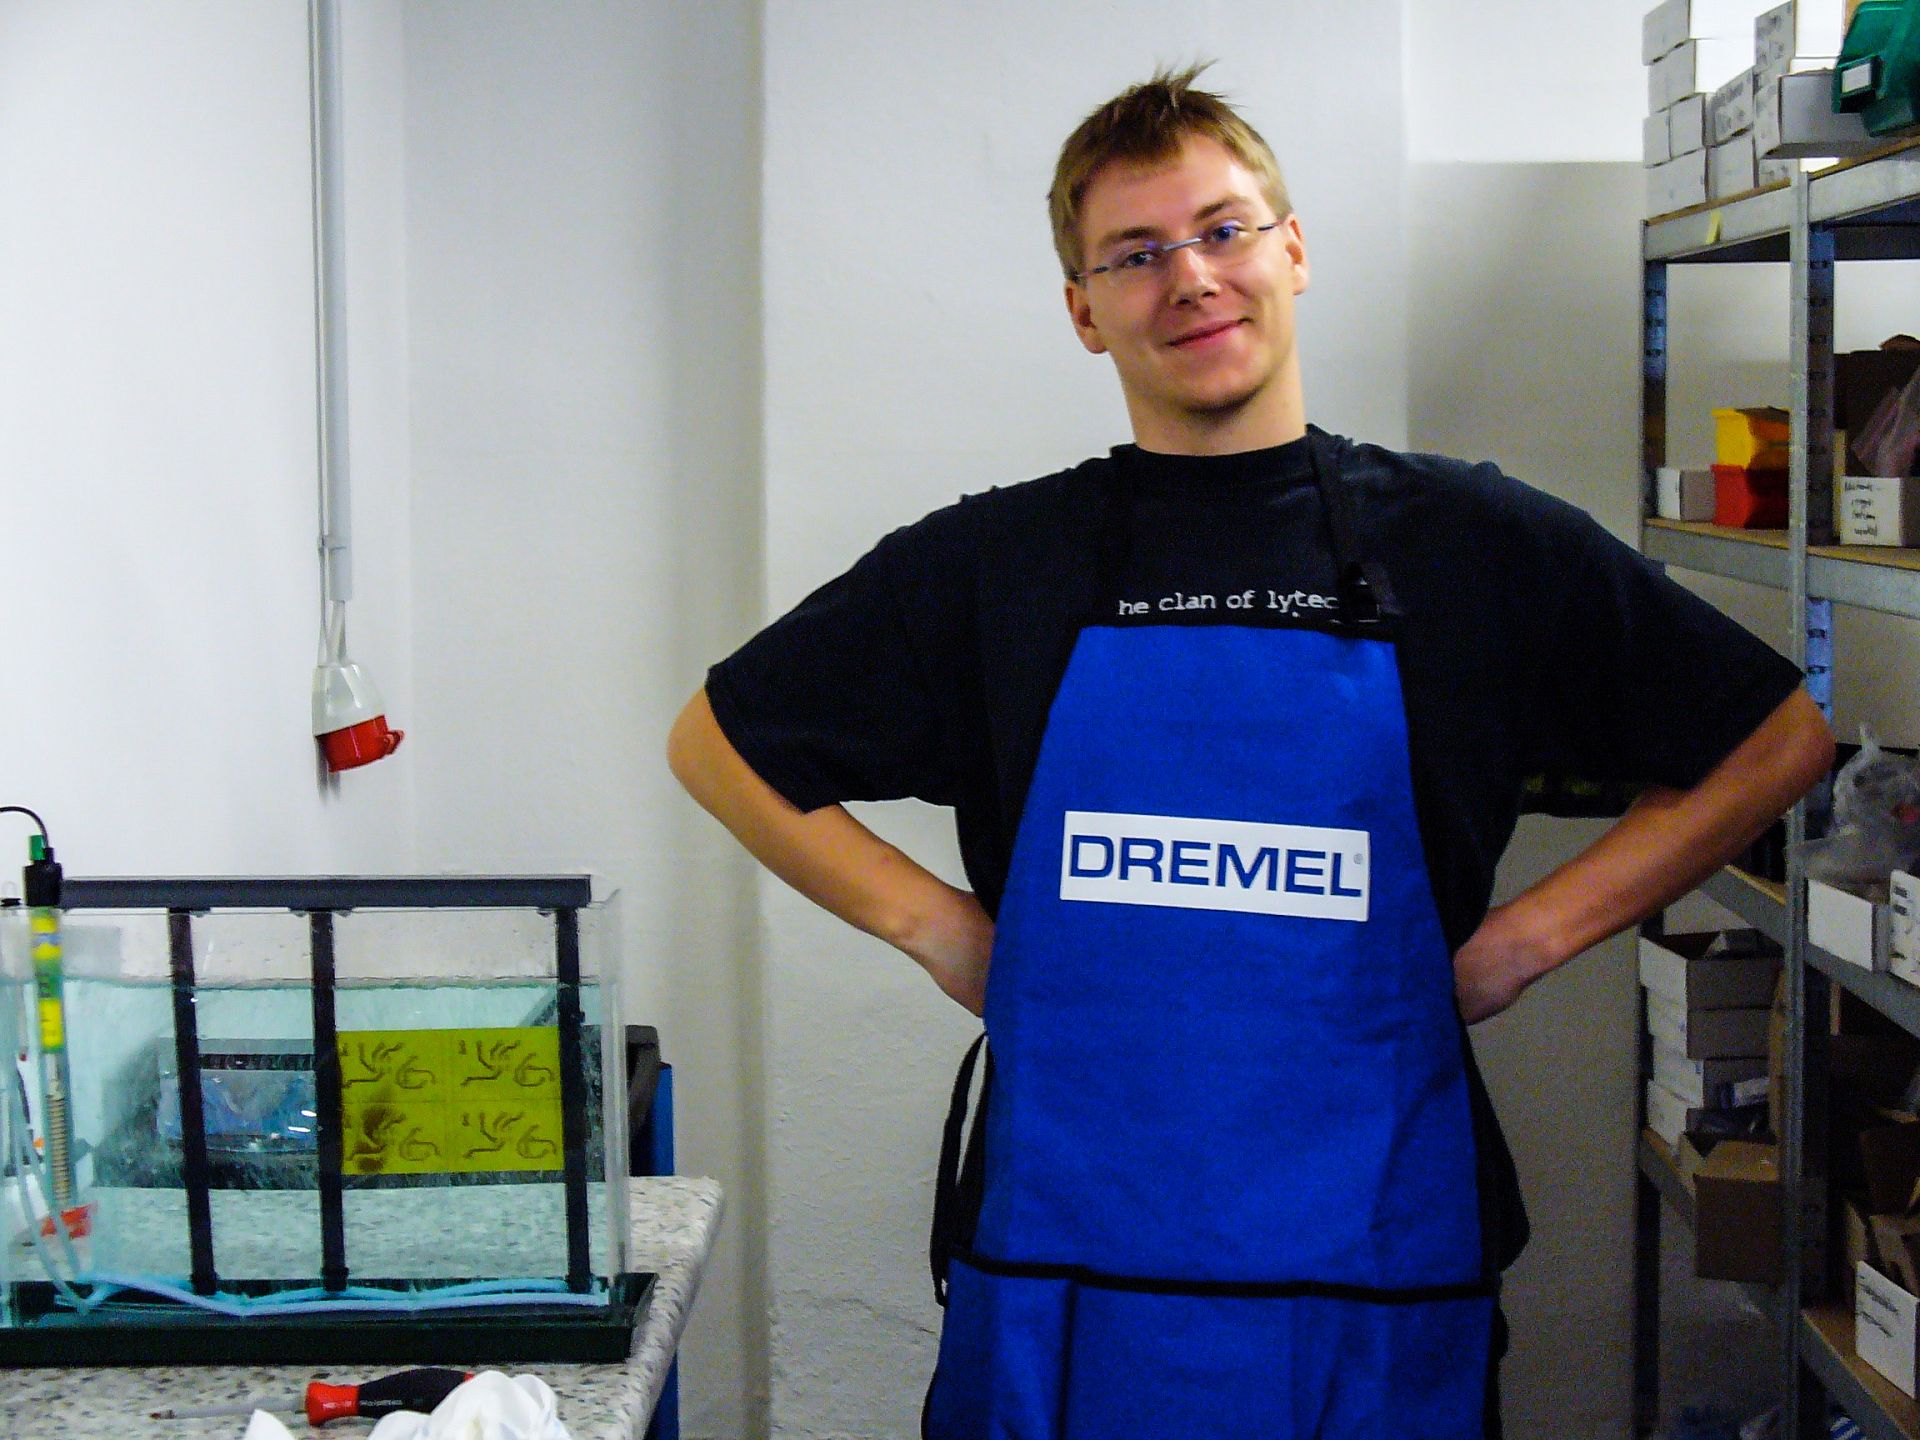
column 1203, row 347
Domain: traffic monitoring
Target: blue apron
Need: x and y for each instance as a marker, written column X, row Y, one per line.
column 1223, row 1183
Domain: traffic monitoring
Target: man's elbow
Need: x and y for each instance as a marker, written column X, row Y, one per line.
column 688, row 742
column 1811, row 745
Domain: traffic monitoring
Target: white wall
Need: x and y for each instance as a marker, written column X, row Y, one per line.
column 582, row 215
column 157, row 439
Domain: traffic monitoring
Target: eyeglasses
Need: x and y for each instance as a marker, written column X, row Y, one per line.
column 1137, row 262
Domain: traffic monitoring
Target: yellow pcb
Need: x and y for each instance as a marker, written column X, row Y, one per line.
column 421, row 1102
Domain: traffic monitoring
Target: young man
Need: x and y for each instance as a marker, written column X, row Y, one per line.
column 1235, row 722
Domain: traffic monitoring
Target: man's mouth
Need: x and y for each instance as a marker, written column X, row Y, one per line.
column 1194, row 339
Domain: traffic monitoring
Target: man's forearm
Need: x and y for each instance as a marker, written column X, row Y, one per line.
column 1664, row 846
column 834, row 860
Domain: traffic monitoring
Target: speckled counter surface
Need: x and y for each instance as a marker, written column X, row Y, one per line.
column 673, row 1223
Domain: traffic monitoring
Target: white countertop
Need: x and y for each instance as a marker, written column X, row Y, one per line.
column 673, row 1223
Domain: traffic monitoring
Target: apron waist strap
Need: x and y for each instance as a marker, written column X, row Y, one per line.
column 961, row 1179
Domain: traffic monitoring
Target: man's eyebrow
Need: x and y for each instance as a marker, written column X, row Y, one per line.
column 1148, row 232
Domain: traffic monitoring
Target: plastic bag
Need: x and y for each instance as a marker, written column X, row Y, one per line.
column 1876, row 821
column 1886, row 443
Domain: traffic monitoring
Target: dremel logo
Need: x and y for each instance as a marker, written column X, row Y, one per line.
column 1215, row 865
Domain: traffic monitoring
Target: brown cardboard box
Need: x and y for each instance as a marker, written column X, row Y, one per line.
column 1856, row 1242
column 1895, row 1237
column 1737, row 1214
column 1890, row 1156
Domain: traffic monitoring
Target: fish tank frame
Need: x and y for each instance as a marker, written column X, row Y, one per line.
column 39, row 1329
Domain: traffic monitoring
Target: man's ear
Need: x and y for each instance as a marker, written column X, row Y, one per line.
column 1296, row 245
column 1082, row 316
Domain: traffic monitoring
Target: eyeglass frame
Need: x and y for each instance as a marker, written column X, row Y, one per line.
column 1161, row 252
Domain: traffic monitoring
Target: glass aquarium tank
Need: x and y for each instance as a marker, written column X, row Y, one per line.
column 280, row 1120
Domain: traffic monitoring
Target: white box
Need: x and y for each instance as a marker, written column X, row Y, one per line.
column 1687, row 125
column 1656, row 144
column 1732, row 171
column 1710, row 970
column 1903, row 926
column 1730, row 108
column 1847, row 926
column 1879, row 510
column 1883, row 1328
column 1668, row 1116
column 1683, row 494
column 1679, row 183
column 1667, row 26
column 1708, row 1084
column 1793, row 118
column 1773, row 172
column 1702, row 65
column 1790, row 30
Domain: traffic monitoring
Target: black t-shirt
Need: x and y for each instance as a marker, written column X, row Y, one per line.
column 1531, row 642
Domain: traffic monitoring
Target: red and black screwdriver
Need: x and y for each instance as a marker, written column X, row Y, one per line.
column 419, row 1389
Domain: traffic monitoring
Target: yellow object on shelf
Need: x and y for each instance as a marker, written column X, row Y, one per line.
column 1755, row 437
column 450, row 1101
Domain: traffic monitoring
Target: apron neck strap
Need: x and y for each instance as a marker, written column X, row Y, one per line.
column 1365, row 599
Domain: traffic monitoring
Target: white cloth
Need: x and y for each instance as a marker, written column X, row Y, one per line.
column 491, row 1406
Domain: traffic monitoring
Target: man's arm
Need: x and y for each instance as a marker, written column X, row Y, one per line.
column 835, row 861
column 1664, row 846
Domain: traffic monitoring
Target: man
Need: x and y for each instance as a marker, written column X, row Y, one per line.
column 1235, row 722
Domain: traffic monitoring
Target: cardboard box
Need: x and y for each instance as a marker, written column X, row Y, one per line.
column 1879, row 510
column 1790, row 31
column 1856, row 1243
column 1883, row 1326
column 1668, row 1116
column 1890, row 1164
column 1702, row 65
column 1711, row 970
column 1737, row 1214
column 1847, row 926
column 1731, row 170
column 1793, row 118
column 1861, row 380
column 1895, row 1237
column 1687, row 125
column 1730, row 108
column 1713, row 1084
column 1903, row 926
column 1669, row 25
column 1678, row 184
column 1683, row 494
column 1707, row 1034
column 1656, row 143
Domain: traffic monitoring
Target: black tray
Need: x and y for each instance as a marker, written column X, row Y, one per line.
column 162, row 1332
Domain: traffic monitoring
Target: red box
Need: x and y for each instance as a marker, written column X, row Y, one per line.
column 1749, row 499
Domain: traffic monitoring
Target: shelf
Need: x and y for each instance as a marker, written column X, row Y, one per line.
column 1826, row 1344
column 1761, row 903
column 1746, row 228
column 1872, row 577
column 1757, row 556
column 1658, row 1165
column 1895, row 999
column 1871, row 204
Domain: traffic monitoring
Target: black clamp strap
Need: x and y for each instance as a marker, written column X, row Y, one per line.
column 961, row 1180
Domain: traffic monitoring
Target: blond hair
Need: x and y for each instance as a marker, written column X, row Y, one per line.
column 1145, row 125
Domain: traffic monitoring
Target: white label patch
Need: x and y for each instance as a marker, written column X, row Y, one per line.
column 1215, row 865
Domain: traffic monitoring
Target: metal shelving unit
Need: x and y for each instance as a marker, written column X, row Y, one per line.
column 1864, row 209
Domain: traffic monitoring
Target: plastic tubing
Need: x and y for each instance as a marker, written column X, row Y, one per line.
column 248, row 1307
column 25, row 1161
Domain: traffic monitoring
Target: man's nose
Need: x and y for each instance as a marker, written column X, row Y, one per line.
column 1190, row 273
